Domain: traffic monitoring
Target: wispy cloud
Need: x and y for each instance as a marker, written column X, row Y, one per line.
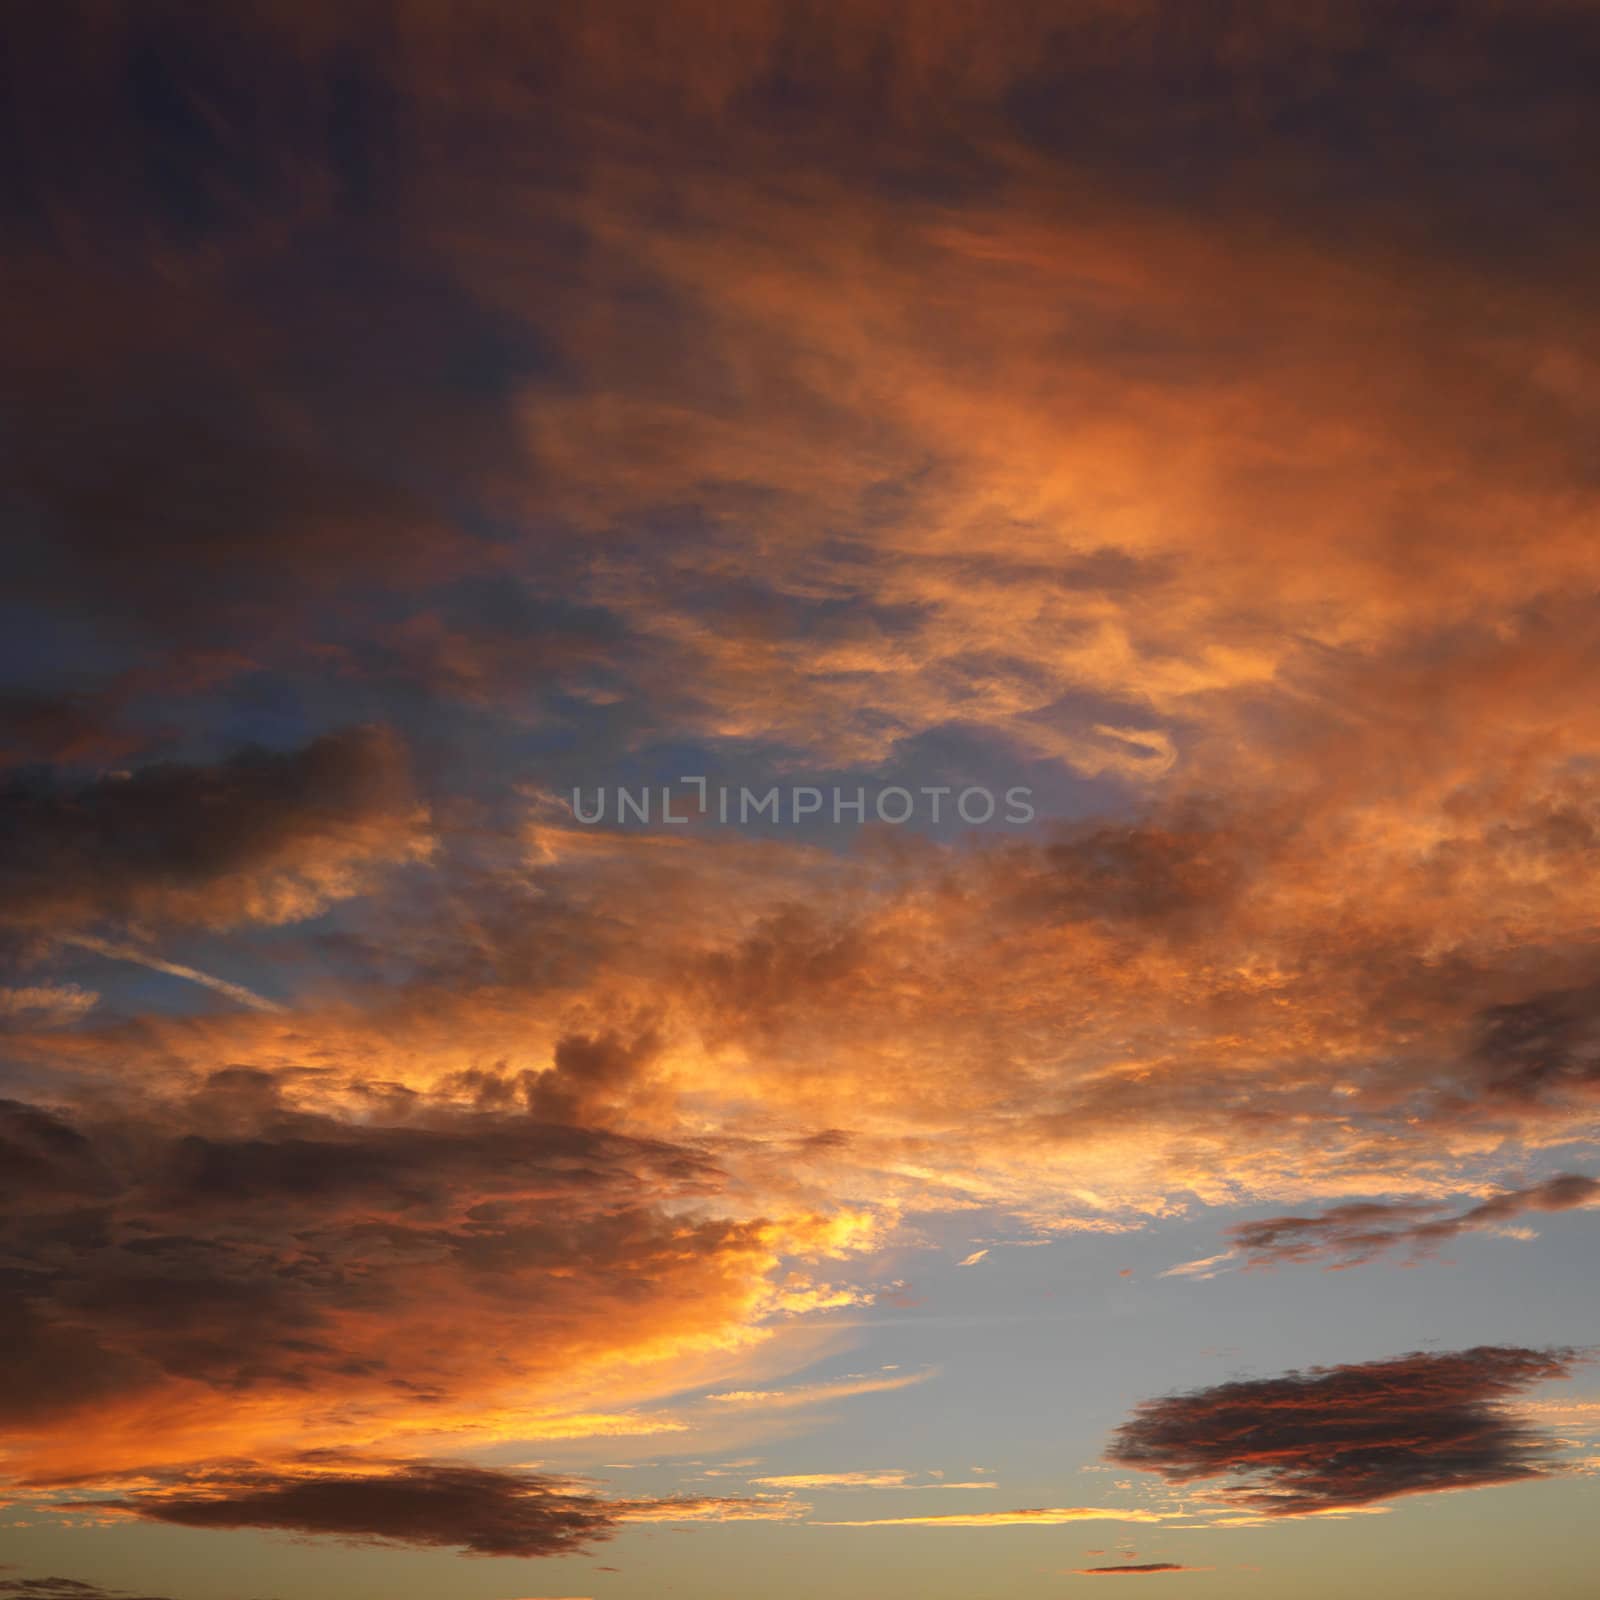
column 1037, row 1517
column 1349, row 1235
column 870, row 1479
column 810, row 1394
column 838, row 1480
column 1206, row 1267
column 144, row 958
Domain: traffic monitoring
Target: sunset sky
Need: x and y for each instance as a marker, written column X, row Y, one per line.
column 1134, row 464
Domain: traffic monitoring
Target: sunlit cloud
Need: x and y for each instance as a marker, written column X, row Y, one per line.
column 418, row 424
column 837, row 1480
column 1040, row 1517
column 817, row 1393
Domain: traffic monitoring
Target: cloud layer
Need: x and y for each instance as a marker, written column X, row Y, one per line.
column 419, row 417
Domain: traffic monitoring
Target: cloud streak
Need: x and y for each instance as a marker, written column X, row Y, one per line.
column 128, row 952
column 1351, row 1235
column 1033, row 1517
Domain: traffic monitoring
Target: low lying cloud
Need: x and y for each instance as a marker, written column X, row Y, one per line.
column 478, row 1510
column 1137, row 1570
column 65, row 1589
column 1332, row 1438
column 244, row 1268
column 472, row 1508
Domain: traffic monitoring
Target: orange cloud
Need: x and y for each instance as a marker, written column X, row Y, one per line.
column 309, row 1267
column 1043, row 1517
column 838, row 1480
column 810, row 1394
column 975, row 426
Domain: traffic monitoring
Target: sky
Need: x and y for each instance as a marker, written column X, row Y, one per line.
column 799, row 798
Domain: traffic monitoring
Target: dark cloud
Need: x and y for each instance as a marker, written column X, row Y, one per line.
column 53, row 728
column 254, row 397
column 1294, row 112
column 479, row 1510
column 1135, row 1570
column 64, row 1589
column 1348, row 1235
column 792, row 960
column 232, row 1241
column 45, row 1161
column 1335, row 1437
column 587, row 1071
column 1161, row 871
column 263, row 835
column 1542, row 1046
column 1279, row 109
